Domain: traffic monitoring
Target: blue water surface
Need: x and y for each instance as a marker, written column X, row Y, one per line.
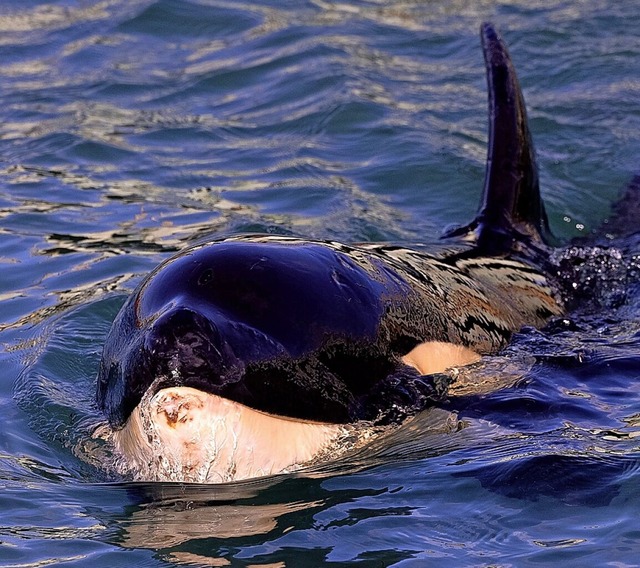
column 130, row 128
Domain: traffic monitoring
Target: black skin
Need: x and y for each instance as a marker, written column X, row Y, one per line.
column 294, row 329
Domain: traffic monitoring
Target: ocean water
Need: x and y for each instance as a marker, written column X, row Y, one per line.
column 129, row 129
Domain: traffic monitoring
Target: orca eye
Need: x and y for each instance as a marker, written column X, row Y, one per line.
column 205, row 277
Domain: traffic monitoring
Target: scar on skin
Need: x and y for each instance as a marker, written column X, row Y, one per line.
column 176, row 409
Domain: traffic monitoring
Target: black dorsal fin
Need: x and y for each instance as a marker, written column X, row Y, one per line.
column 511, row 208
column 511, row 197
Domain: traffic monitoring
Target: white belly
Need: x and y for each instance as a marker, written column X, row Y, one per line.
column 184, row 434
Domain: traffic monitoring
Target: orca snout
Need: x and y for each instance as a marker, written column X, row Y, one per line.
column 182, row 325
column 183, row 343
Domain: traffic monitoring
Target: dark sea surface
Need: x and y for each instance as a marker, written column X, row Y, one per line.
column 129, row 129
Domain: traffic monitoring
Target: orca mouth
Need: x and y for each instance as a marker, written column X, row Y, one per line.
column 206, row 351
column 186, row 348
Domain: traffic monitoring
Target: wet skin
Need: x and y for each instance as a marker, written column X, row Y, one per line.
column 325, row 333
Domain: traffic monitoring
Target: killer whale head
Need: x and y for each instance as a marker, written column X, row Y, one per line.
column 276, row 325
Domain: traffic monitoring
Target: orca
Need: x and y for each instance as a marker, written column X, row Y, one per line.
column 252, row 355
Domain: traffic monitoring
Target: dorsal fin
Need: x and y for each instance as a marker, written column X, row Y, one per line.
column 511, row 197
column 511, row 207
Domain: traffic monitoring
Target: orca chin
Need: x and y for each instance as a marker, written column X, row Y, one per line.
column 187, row 435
